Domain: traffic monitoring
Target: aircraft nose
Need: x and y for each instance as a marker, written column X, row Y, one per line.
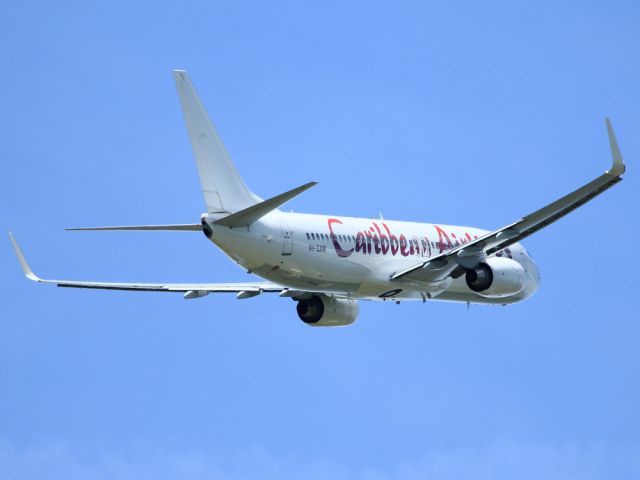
column 535, row 274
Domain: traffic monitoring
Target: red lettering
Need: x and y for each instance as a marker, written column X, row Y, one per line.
column 384, row 241
column 442, row 236
column 369, row 239
column 393, row 240
column 403, row 246
column 426, row 247
column 361, row 244
column 376, row 240
column 339, row 250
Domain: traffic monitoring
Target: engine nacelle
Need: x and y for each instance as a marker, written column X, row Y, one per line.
column 325, row 311
column 496, row 277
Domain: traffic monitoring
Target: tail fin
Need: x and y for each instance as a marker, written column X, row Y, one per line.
column 222, row 187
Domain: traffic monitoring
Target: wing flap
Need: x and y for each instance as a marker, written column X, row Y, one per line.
column 173, row 287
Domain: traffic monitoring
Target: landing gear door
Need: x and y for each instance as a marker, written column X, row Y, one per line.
column 287, row 239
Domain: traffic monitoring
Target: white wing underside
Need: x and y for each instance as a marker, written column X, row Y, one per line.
column 248, row 287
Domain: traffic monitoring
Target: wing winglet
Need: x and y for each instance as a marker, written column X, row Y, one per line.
column 23, row 261
column 618, row 167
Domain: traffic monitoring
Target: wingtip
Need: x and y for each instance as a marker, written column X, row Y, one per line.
column 304, row 187
column 26, row 269
column 179, row 74
column 618, row 167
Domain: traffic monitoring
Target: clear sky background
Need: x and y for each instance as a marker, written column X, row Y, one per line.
column 470, row 113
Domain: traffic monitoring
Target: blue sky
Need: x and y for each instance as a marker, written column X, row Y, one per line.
column 456, row 112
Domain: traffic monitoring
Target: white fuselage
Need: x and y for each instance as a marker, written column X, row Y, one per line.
column 356, row 256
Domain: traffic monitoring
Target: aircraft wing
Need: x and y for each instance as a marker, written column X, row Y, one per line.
column 187, row 227
column 469, row 255
column 191, row 290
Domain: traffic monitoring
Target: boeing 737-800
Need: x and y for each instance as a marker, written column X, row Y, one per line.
column 327, row 263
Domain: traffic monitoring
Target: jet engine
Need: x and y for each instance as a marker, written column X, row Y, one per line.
column 496, row 277
column 326, row 311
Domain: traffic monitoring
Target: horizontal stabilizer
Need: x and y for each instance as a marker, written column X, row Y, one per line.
column 246, row 217
column 191, row 227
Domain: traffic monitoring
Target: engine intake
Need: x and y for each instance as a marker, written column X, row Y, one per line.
column 326, row 311
column 497, row 277
column 479, row 278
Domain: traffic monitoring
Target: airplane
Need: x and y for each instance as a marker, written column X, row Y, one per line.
column 327, row 263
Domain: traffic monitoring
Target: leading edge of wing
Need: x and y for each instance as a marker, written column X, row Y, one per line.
column 468, row 255
column 187, row 227
column 150, row 287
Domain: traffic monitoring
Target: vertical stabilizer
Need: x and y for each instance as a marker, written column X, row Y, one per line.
column 222, row 187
